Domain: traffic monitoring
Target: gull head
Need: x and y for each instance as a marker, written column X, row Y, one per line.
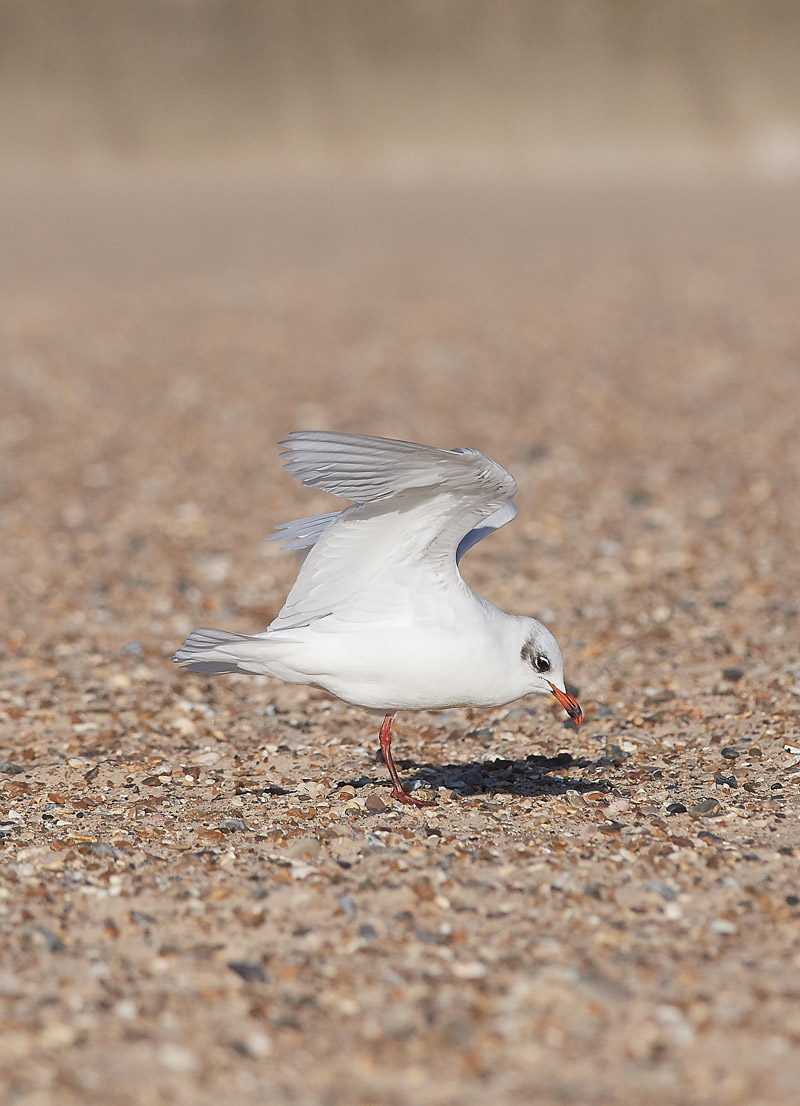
column 545, row 667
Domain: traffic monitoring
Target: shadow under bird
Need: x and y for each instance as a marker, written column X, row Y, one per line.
column 379, row 614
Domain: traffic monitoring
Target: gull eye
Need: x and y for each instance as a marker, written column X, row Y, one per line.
column 541, row 663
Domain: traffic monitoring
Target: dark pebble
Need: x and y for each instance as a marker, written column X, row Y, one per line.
column 39, row 937
column 729, row 753
column 616, row 755
column 248, row 970
column 733, row 675
column 676, row 808
column 426, row 937
column 792, row 900
column 10, row 769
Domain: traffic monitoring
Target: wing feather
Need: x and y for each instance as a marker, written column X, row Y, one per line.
column 416, row 509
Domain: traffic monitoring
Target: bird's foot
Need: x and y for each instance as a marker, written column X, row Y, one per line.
column 404, row 797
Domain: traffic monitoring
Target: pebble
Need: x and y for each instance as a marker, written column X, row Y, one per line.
column 232, row 825
column 732, row 675
column 39, row 937
column 248, row 970
column 704, row 808
column 619, row 806
column 722, row 926
column 375, row 804
column 347, row 905
column 667, row 892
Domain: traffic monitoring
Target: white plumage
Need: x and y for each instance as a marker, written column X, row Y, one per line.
column 379, row 614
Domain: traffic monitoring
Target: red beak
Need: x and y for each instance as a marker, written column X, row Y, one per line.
column 568, row 703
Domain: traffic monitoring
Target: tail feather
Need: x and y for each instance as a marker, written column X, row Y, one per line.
column 216, row 651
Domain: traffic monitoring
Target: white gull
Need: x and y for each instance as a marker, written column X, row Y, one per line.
column 379, row 614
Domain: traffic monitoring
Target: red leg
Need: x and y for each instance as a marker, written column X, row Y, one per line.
column 398, row 791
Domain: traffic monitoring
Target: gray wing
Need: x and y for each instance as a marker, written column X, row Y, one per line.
column 416, row 509
column 366, row 470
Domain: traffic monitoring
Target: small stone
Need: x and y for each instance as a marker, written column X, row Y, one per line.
column 348, row 906
column 676, row 808
column 619, row 806
column 722, row 926
column 249, row 970
column 346, row 792
column 615, row 754
column 729, row 752
column 665, row 890
column 704, row 808
column 422, row 889
column 102, row 848
column 375, row 804
column 10, row 769
column 232, row 825
column 39, row 937
column 258, row 1044
column 732, row 675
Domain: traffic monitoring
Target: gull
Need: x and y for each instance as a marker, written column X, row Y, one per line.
column 380, row 615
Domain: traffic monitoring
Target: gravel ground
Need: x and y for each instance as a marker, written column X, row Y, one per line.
column 207, row 894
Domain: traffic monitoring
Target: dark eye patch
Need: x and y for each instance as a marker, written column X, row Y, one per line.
column 540, row 662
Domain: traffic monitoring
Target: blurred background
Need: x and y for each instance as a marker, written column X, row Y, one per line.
column 407, row 86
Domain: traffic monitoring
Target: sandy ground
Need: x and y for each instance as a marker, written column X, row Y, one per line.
column 207, row 894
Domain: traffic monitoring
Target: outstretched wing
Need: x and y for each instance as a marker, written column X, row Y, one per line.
column 392, row 555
